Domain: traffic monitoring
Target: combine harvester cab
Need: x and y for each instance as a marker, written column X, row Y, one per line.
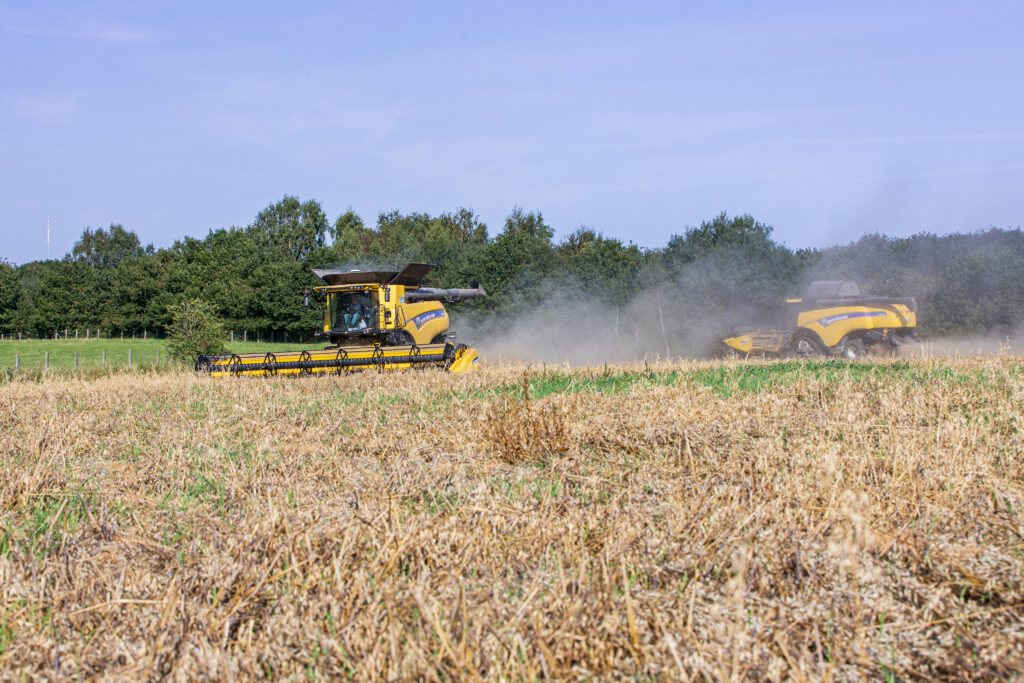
column 834, row 319
column 378, row 320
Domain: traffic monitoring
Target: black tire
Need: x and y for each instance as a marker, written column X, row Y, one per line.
column 854, row 349
column 398, row 338
column 438, row 339
column 806, row 346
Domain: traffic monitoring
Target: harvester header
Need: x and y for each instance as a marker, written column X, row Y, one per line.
column 373, row 319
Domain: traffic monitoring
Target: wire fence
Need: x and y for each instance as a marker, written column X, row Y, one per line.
column 89, row 333
column 93, row 359
column 83, row 360
column 91, row 352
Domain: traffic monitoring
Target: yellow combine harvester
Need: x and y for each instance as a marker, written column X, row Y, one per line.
column 375, row 320
column 834, row 319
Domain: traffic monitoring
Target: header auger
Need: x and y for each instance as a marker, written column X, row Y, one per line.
column 379, row 320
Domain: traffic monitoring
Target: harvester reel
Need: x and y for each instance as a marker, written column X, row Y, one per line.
column 340, row 356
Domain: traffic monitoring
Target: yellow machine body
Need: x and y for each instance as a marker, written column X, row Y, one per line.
column 376, row 320
column 834, row 319
column 424, row 322
column 834, row 324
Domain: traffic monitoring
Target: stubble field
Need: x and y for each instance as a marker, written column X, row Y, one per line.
column 727, row 520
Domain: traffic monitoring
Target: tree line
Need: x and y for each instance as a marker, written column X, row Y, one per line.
column 727, row 271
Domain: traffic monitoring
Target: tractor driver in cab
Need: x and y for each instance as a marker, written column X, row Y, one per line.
column 355, row 316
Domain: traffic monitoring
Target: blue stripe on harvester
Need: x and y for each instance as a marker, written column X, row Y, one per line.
column 423, row 318
column 825, row 322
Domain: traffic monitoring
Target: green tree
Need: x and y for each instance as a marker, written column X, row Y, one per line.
column 108, row 248
column 9, row 292
column 291, row 227
column 517, row 261
column 351, row 239
column 723, row 273
column 603, row 267
column 194, row 331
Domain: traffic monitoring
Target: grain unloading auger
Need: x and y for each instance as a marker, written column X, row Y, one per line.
column 378, row 320
column 833, row 319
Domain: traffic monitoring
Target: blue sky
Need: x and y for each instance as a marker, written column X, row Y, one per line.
column 824, row 120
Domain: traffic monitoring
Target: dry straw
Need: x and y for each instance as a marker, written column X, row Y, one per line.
column 665, row 522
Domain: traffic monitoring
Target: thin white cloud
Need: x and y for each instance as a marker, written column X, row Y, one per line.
column 966, row 137
column 80, row 28
column 960, row 172
column 54, row 107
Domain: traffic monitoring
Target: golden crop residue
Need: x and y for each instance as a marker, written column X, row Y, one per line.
column 717, row 520
column 519, row 430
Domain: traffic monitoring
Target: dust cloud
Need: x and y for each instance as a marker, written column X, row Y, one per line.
column 945, row 347
column 659, row 323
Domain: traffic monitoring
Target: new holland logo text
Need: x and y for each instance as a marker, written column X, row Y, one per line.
column 825, row 322
column 423, row 318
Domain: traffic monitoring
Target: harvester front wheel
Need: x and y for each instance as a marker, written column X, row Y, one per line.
column 399, row 338
column 806, row 346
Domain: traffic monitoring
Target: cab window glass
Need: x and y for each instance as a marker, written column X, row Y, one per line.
column 352, row 311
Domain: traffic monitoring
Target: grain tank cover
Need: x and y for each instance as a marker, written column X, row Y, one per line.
column 410, row 276
column 831, row 289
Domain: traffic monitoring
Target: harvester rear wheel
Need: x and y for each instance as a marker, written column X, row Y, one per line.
column 854, row 348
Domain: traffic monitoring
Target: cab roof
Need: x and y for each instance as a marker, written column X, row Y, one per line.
column 410, row 276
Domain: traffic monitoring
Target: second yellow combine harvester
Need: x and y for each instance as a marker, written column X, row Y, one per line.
column 379, row 320
column 834, row 319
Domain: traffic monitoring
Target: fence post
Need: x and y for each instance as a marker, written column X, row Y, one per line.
column 103, row 363
column 232, row 336
column 47, row 360
column 76, row 333
column 17, row 361
column 76, row 361
column 129, row 358
column 87, row 333
column 158, row 356
column 143, row 332
column 122, row 334
column 245, row 335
